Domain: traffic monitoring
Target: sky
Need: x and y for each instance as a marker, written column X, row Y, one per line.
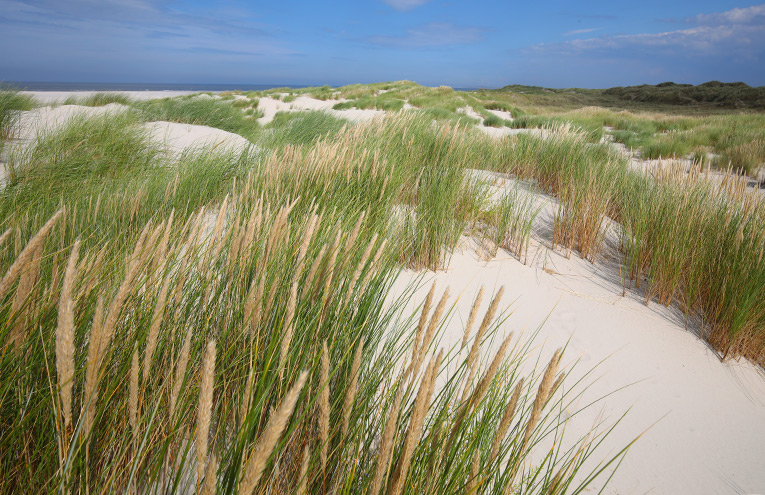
column 467, row 44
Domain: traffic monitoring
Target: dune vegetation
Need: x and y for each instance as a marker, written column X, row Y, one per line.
column 222, row 322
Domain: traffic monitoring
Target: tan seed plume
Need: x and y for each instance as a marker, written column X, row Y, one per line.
column 472, row 360
column 156, row 322
column 414, row 431
column 418, row 335
column 26, row 254
column 324, row 407
column 472, row 484
column 303, row 478
column 360, row 268
column 133, row 392
column 386, row 442
column 353, row 386
column 543, row 393
column 270, row 436
column 209, row 486
column 180, row 372
column 65, row 338
column 204, row 413
column 471, row 318
column 504, row 423
column 431, row 330
column 91, row 373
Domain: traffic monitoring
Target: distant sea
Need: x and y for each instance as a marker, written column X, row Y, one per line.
column 88, row 86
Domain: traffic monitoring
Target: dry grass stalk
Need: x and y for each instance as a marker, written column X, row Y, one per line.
column 25, row 255
column 360, row 268
column 289, row 324
column 430, row 333
column 471, row 318
column 303, row 477
column 245, row 408
column 324, row 407
column 209, row 485
column 472, row 484
column 504, row 423
column 385, row 449
column 543, row 394
column 180, row 372
column 19, row 309
column 354, row 233
column 472, row 360
column 5, row 236
column 270, row 436
column 133, row 390
column 414, row 431
column 91, row 373
column 418, row 335
column 65, row 338
column 315, row 266
column 204, row 413
column 156, row 322
column 373, row 266
column 483, row 385
column 350, row 394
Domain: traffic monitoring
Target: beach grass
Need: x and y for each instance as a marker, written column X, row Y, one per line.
column 225, row 328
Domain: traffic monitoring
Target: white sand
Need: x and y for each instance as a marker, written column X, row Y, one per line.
column 709, row 431
column 502, row 114
column 270, row 107
column 177, row 138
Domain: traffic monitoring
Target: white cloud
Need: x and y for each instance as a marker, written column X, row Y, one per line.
column 404, row 5
column 749, row 15
column 580, row 31
column 737, row 32
column 431, row 35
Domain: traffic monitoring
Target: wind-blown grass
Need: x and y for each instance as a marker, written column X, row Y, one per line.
column 99, row 99
column 200, row 111
column 211, row 313
column 11, row 103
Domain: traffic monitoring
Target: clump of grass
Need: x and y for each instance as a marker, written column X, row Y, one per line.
column 304, row 128
column 99, row 99
column 512, row 220
column 200, row 111
column 11, row 103
column 493, row 121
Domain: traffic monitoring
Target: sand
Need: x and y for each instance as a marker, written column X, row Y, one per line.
column 49, row 97
column 702, row 420
column 270, row 107
column 175, row 138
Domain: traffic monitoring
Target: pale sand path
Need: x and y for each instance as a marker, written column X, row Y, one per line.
column 270, row 107
column 50, row 97
column 179, row 138
column 709, row 431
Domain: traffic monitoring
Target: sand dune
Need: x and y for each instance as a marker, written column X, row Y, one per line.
column 704, row 420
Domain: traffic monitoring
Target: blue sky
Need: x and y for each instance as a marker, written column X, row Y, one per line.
column 480, row 43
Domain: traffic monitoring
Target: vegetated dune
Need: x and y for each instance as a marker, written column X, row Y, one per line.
column 292, row 258
column 700, row 420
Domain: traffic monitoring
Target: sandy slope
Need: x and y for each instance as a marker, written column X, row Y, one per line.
column 48, row 97
column 270, row 107
column 708, row 417
column 174, row 137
